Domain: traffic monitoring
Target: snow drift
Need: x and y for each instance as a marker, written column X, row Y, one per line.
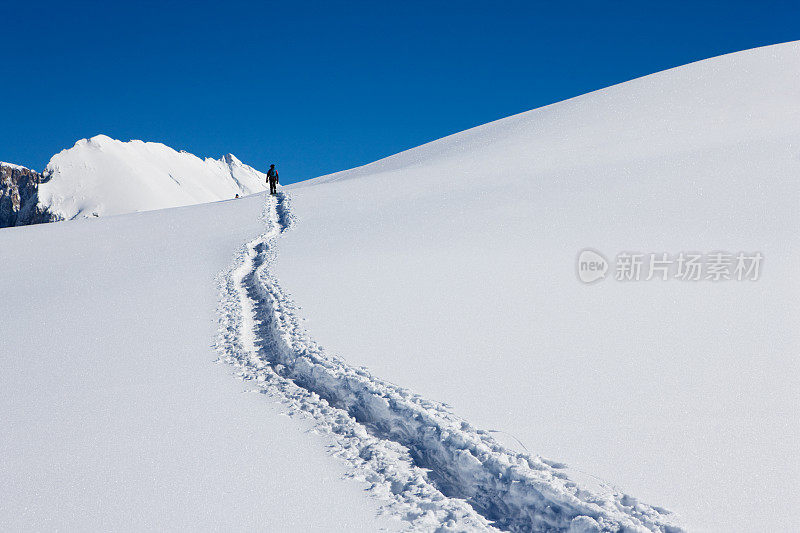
column 102, row 176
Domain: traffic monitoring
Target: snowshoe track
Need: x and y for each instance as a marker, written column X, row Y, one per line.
column 432, row 468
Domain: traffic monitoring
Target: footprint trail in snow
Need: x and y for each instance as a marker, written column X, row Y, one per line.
column 430, row 467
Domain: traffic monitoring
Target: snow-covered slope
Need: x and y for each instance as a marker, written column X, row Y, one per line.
column 431, row 467
column 450, row 269
column 113, row 413
column 102, row 176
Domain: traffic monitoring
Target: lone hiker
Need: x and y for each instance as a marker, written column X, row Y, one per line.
column 272, row 178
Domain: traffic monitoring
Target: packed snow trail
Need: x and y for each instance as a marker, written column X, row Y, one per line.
column 433, row 468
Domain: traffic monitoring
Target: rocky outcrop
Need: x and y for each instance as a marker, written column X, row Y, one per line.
column 19, row 197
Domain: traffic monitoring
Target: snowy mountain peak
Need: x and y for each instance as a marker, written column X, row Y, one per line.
column 98, row 141
column 104, row 176
column 231, row 160
column 101, row 140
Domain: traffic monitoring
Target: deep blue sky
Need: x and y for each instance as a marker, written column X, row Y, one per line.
column 323, row 86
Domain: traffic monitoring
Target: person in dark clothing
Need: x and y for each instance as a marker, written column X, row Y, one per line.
column 272, row 179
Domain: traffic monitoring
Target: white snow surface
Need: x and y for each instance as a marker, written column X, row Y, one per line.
column 103, row 176
column 12, row 165
column 115, row 416
column 449, row 269
column 434, row 469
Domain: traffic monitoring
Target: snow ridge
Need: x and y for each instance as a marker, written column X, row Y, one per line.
column 433, row 468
